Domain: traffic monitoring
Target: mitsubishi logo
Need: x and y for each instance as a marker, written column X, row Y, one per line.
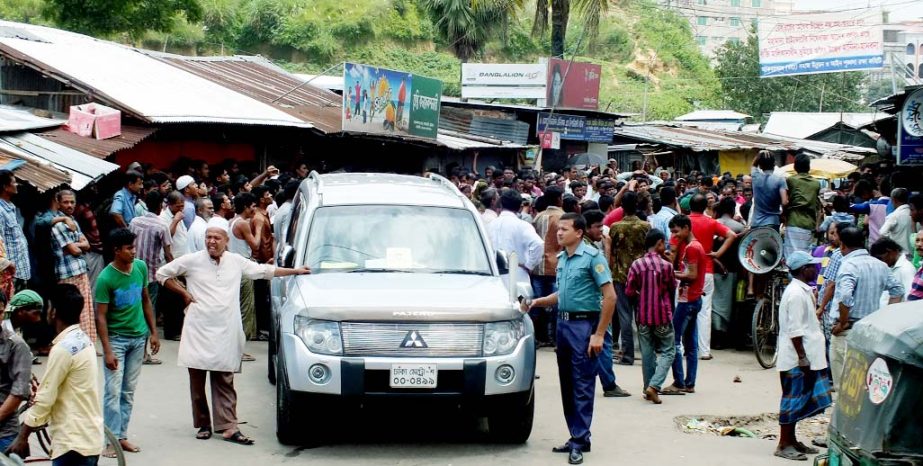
column 413, row 340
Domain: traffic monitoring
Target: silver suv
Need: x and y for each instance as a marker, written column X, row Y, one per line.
column 405, row 302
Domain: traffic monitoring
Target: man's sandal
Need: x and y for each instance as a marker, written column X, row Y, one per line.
column 204, row 433
column 239, row 439
column 790, row 453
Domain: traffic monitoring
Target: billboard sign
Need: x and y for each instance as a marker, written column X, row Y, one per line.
column 573, row 84
column 379, row 100
column 516, row 81
column 910, row 130
column 576, row 128
column 816, row 43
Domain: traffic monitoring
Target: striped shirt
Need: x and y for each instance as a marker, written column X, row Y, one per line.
column 651, row 279
column 66, row 265
column 17, row 249
column 830, row 271
column 151, row 235
column 860, row 282
column 916, row 290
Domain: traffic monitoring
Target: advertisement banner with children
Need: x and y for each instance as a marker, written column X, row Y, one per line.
column 379, row 100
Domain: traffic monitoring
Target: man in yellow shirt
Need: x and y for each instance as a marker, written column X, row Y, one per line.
column 68, row 396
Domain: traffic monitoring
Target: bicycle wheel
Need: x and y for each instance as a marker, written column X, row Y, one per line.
column 112, row 440
column 44, row 440
column 764, row 338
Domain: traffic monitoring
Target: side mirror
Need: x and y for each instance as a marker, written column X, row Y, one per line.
column 503, row 263
column 287, row 256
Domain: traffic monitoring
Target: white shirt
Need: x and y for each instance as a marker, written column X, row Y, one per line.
column 280, row 221
column 196, row 235
column 510, row 234
column 797, row 319
column 213, row 335
column 899, row 226
column 180, row 237
column 903, row 272
column 488, row 216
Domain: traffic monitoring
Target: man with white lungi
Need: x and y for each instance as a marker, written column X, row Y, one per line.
column 213, row 337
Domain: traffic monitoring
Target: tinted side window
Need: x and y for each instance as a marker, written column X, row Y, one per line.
column 298, row 208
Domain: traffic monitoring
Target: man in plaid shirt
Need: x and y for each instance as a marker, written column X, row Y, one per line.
column 651, row 282
column 17, row 249
column 69, row 246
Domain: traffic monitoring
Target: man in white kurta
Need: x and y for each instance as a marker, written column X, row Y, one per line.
column 212, row 340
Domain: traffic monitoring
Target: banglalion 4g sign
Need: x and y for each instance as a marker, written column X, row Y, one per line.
column 379, row 100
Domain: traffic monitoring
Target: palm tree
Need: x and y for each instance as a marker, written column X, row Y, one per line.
column 467, row 25
column 589, row 10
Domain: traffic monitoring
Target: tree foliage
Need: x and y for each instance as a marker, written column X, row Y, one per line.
column 743, row 90
column 466, row 26
column 104, row 17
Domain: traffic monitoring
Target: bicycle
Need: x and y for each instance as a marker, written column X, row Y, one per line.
column 760, row 252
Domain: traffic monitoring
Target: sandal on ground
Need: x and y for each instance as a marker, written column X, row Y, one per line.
column 149, row 361
column 247, row 358
column 36, row 362
column 819, row 442
column 239, row 439
column 790, row 453
column 806, row 449
column 108, row 452
column 204, row 433
column 133, row 449
column 671, row 390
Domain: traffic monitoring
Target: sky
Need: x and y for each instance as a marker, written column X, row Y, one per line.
column 901, row 10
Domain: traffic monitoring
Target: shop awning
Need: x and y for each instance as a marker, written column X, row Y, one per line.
column 47, row 165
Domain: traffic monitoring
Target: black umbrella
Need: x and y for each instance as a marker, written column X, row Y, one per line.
column 587, row 159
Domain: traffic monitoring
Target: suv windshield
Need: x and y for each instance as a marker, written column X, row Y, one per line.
column 384, row 238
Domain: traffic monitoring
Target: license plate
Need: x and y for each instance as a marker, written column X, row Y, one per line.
column 413, row 376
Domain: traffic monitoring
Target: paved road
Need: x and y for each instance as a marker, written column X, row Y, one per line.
column 625, row 430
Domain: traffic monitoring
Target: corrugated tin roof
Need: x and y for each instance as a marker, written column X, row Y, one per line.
column 331, row 83
column 15, row 119
column 711, row 115
column 805, row 124
column 699, row 140
column 42, row 176
column 134, row 82
column 261, row 80
column 101, row 148
column 78, row 168
column 456, row 102
column 461, row 141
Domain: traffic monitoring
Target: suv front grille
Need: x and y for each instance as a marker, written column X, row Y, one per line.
column 370, row 339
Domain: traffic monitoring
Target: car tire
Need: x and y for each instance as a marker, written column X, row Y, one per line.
column 288, row 410
column 271, row 359
column 513, row 425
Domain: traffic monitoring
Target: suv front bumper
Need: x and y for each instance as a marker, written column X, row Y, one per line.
column 368, row 377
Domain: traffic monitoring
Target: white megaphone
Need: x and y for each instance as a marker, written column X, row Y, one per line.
column 760, row 250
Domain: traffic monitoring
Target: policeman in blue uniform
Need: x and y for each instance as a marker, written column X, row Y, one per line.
column 584, row 281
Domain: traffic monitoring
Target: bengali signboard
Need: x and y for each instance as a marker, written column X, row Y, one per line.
column 820, row 43
column 910, row 130
column 508, row 81
column 379, row 100
column 573, row 84
column 575, row 127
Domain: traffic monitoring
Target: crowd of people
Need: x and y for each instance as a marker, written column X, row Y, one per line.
column 94, row 276
column 612, row 257
column 667, row 250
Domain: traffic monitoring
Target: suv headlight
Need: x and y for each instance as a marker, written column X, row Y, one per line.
column 501, row 338
column 320, row 336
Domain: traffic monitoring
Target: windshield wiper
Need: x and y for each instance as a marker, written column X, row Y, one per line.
column 380, row 270
column 462, row 272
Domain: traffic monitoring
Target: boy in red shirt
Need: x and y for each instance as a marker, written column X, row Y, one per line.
column 690, row 263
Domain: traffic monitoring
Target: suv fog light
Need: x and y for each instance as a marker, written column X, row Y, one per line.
column 319, row 374
column 505, row 374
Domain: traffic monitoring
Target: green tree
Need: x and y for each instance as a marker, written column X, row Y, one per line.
column 466, row 26
column 134, row 17
column 590, row 11
column 743, row 90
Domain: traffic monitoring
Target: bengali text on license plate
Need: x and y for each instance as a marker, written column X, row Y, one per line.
column 413, row 376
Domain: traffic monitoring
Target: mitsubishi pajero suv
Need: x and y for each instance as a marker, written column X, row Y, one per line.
column 405, row 303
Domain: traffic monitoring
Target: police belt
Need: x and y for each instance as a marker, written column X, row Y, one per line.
column 578, row 315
